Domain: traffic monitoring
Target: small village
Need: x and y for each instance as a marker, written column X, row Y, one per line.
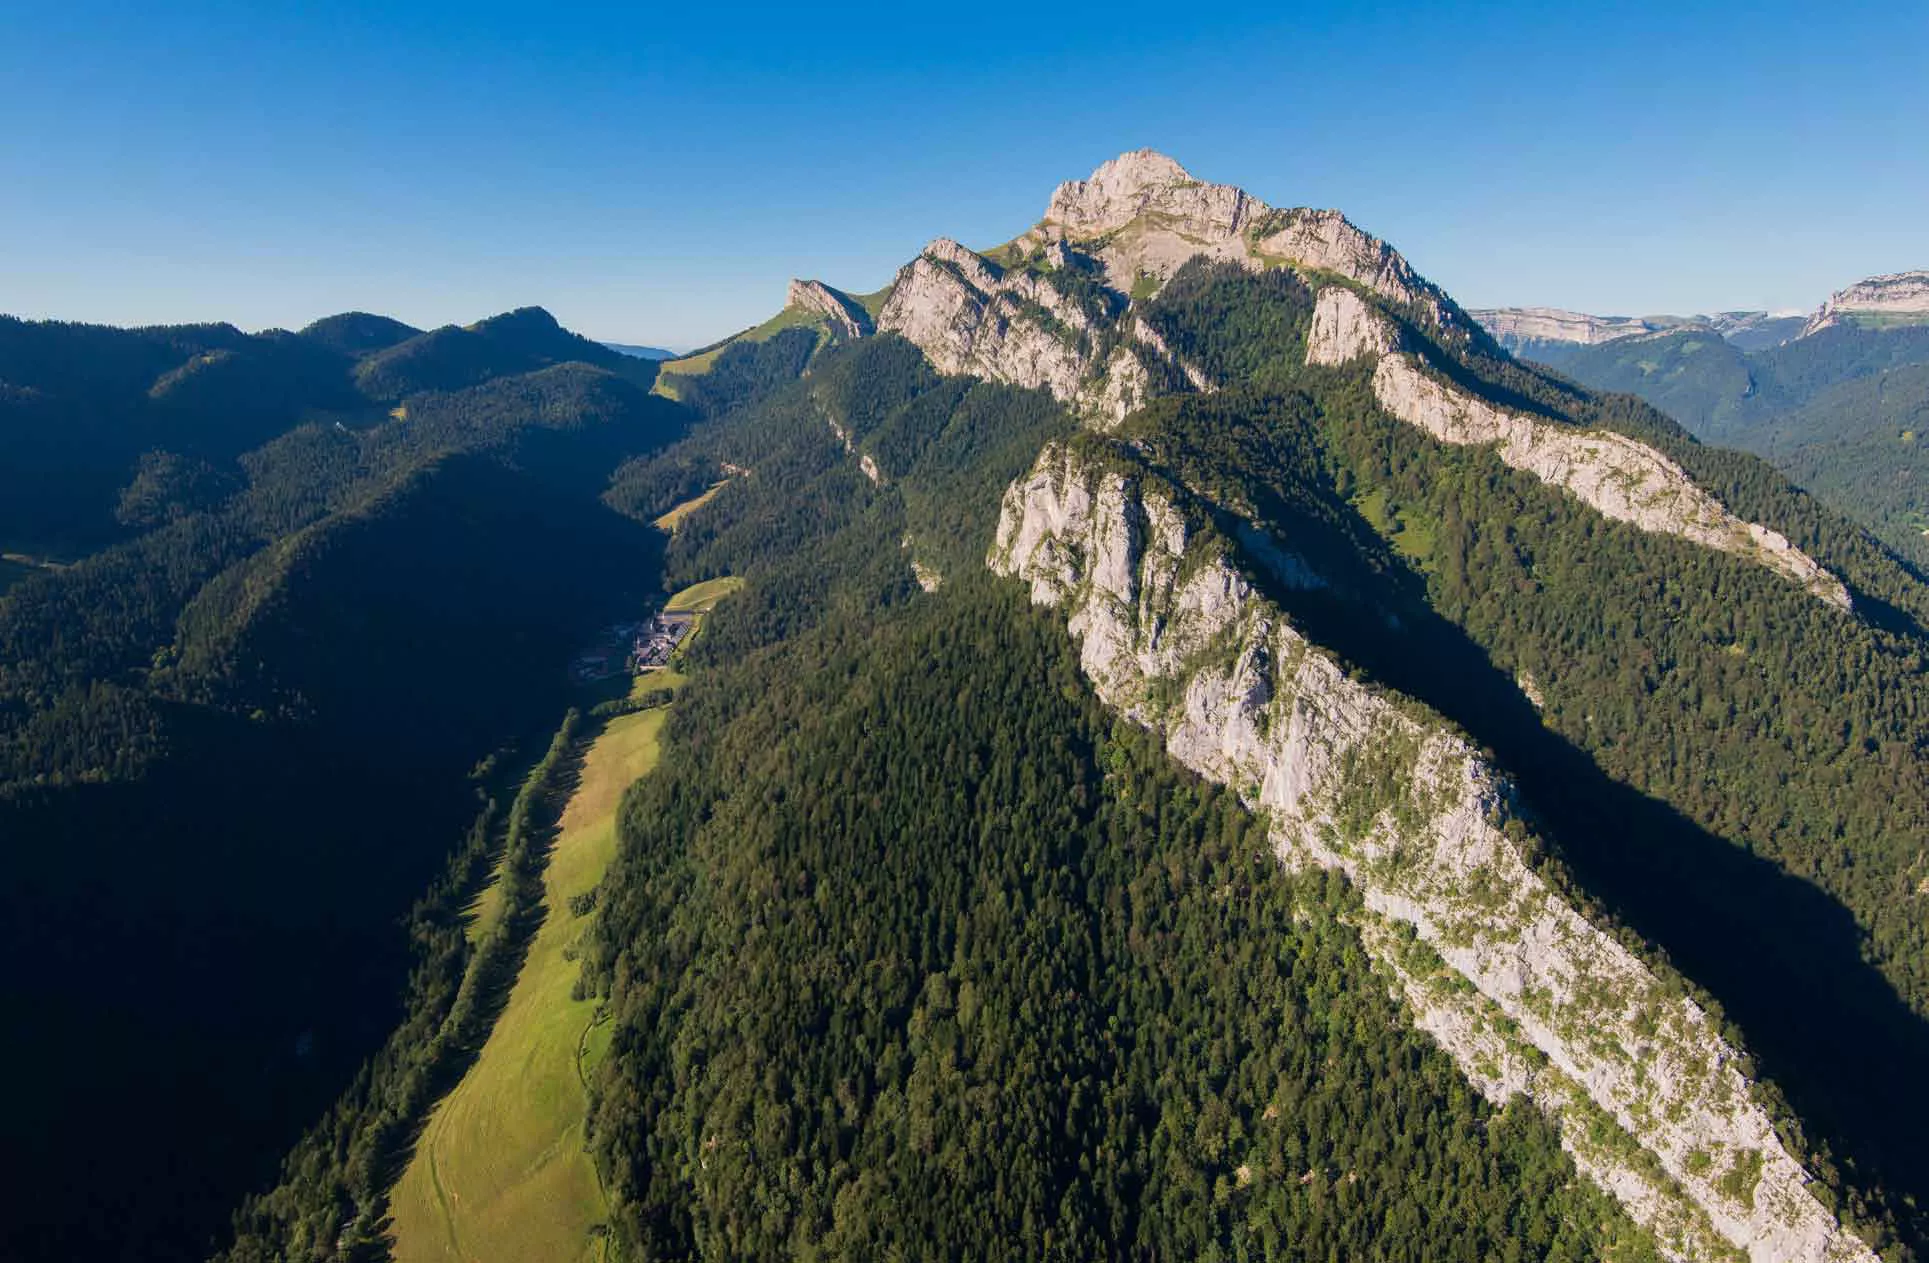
column 634, row 647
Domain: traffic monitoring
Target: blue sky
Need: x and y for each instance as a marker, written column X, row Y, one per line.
column 654, row 173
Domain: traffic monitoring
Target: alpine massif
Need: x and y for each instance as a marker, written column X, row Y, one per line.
column 1210, row 757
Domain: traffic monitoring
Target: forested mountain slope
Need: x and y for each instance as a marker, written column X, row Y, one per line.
column 455, row 356
column 1691, row 699
column 911, row 948
column 1837, row 410
column 1210, row 758
column 236, row 742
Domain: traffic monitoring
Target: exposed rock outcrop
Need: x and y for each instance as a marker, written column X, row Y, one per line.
column 846, row 318
column 1646, row 1094
column 1615, row 475
column 1144, row 216
column 970, row 316
column 1897, row 297
column 1326, row 241
column 1515, row 327
column 1140, row 217
column 1345, row 328
column 1526, row 331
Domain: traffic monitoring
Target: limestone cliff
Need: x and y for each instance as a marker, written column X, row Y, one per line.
column 1528, row 996
column 1137, row 220
column 1515, row 327
column 1617, row 476
column 839, row 310
column 1144, row 216
column 1530, row 331
column 968, row 315
column 1900, row 297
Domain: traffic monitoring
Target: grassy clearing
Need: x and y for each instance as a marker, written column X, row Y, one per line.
column 701, row 598
column 674, row 518
column 500, row 1172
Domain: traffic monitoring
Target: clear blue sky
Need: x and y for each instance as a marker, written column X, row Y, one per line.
column 653, row 173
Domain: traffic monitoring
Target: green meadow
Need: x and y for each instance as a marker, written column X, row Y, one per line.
column 500, row 1171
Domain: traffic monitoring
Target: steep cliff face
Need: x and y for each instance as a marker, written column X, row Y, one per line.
column 845, row 317
column 1345, row 328
column 1535, row 331
column 1528, row 996
column 1515, row 327
column 1617, row 476
column 1144, row 216
column 969, row 315
column 1138, row 219
column 1900, row 297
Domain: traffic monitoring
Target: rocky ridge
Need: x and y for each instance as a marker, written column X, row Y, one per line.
column 968, row 315
column 1528, row 996
column 1516, row 327
column 1899, row 297
column 1136, row 221
column 1617, row 476
column 842, row 313
column 1902, row 296
column 1528, row 330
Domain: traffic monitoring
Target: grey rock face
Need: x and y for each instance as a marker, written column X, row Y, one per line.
column 1643, row 1089
column 1615, row 475
column 1514, row 327
column 1141, row 217
column 845, row 317
column 969, row 316
column 1897, row 296
column 1144, row 216
column 1345, row 328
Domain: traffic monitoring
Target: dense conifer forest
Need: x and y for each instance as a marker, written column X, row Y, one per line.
column 1789, row 840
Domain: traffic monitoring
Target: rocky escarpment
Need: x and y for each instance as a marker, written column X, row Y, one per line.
column 1528, row 330
column 1143, row 216
column 1617, row 476
column 968, row 315
column 1135, row 222
column 1900, row 297
column 841, row 312
column 1516, row 327
column 1528, row 996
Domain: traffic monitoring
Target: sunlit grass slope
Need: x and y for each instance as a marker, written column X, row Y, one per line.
column 500, row 1172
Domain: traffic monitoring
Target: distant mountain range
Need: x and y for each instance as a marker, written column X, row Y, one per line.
column 1838, row 399
column 642, row 352
column 1879, row 302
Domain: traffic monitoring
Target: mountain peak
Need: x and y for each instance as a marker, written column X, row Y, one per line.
column 1132, row 184
column 1125, row 181
column 522, row 319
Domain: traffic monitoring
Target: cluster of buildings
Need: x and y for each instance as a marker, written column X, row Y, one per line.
column 635, row 647
column 651, row 643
